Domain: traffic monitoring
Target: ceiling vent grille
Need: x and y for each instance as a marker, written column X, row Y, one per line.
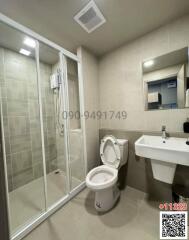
column 90, row 17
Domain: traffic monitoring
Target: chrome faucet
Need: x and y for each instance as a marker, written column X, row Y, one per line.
column 164, row 134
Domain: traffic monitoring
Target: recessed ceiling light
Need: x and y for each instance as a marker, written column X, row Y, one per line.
column 24, row 51
column 148, row 63
column 29, row 42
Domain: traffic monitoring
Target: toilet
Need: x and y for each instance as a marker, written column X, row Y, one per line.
column 103, row 180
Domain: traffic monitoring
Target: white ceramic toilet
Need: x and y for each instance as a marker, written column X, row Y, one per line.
column 103, row 179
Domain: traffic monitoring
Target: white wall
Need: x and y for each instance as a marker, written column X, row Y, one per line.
column 91, row 99
column 120, row 80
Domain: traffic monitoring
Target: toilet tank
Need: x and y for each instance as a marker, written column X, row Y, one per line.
column 124, row 149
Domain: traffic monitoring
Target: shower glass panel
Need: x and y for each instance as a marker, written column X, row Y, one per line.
column 76, row 154
column 20, row 127
column 54, row 136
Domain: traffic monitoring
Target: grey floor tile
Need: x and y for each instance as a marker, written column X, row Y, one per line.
column 134, row 217
column 28, row 201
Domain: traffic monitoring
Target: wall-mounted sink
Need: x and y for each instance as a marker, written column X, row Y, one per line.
column 165, row 154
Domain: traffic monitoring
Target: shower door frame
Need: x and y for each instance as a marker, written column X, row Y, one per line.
column 63, row 61
column 63, row 53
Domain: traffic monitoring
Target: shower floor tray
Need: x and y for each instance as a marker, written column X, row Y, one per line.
column 28, row 201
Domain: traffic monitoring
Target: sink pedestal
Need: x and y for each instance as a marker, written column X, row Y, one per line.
column 164, row 155
column 163, row 171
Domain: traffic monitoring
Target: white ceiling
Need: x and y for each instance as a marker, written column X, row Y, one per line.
column 126, row 20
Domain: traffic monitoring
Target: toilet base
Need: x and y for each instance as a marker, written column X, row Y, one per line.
column 105, row 199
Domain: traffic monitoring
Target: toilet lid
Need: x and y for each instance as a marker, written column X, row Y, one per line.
column 110, row 151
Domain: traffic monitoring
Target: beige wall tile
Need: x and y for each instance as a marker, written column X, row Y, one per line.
column 155, row 43
column 121, row 85
column 178, row 33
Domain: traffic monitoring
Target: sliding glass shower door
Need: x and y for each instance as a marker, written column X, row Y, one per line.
column 42, row 132
column 21, row 127
column 75, row 130
column 53, row 123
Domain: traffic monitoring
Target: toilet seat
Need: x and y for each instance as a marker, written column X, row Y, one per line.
column 101, row 177
column 110, row 151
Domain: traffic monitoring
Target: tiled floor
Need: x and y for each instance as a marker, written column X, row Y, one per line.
column 28, row 201
column 134, row 217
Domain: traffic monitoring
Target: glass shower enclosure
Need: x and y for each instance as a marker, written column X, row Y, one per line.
column 42, row 129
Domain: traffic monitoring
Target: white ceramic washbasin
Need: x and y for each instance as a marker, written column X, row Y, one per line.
column 165, row 154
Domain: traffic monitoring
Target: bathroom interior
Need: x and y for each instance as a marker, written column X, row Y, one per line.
column 94, row 116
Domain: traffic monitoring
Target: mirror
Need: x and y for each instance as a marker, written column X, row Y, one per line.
column 166, row 81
